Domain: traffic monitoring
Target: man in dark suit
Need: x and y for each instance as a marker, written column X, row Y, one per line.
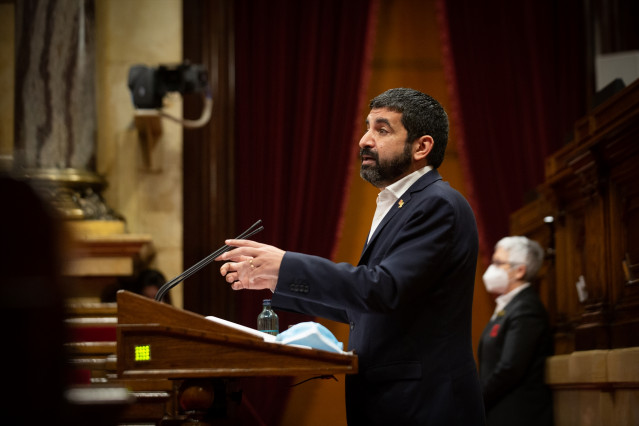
column 409, row 299
column 515, row 343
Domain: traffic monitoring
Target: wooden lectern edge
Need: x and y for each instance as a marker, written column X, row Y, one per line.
column 207, row 328
column 205, row 373
column 140, row 315
column 232, row 340
column 137, row 309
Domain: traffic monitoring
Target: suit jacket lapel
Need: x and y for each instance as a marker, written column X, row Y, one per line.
column 404, row 200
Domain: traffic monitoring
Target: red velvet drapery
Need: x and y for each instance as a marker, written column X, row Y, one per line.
column 517, row 78
column 299, row 76
column 300, row 68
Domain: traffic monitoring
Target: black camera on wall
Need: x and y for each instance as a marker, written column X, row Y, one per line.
column 149, row 85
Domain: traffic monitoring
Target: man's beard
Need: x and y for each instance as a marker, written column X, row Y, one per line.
column 382, row 174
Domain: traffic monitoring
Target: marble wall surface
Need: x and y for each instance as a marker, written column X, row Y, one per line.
column 147, row 193
column 144, row 181
column 54, row 112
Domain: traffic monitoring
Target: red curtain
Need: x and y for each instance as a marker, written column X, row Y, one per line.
column 300, row 79
column 517, row 77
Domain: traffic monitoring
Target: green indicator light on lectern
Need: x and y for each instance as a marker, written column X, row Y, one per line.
column 143, row 353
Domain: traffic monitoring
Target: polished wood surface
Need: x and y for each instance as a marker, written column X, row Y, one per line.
column 184, row 345
column 208, row 157
column 592, row 192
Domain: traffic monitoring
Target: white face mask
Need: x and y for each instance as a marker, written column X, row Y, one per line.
column 495, row 280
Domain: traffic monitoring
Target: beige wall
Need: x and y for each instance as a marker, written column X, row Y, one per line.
column 148, row 195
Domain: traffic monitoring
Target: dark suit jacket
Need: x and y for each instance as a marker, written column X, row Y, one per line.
column 512, row 355
column 408, row 303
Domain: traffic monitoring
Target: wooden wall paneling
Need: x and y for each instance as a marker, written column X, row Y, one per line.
column 570, row 258
column 531, row 222
column 581, row 195
column 592, row 190
column 593, row 332
column 623, row 255
column 567, row 304
column 208, row 156
column 594, row 182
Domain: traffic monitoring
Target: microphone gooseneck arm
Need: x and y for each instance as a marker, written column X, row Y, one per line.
column 252, row 230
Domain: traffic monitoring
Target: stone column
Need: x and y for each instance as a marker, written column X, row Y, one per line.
column 55, row 105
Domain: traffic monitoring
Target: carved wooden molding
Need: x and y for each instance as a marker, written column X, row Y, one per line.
column 591, row 191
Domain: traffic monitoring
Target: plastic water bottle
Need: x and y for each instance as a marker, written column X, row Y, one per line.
column 267, row 320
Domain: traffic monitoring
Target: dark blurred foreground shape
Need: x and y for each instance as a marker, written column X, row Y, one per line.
column 39, row 386
column 32, row 309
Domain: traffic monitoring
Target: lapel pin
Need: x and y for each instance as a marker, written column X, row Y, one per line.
column 401, row 203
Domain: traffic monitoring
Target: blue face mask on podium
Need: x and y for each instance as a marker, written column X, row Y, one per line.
column 310, row 334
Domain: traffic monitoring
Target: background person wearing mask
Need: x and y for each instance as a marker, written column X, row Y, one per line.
column 515, row 343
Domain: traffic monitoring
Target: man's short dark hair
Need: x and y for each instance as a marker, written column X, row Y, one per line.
column 421, row 115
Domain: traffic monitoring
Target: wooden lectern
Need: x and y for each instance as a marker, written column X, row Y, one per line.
column 158, row 341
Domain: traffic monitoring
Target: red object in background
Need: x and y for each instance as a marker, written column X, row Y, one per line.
column 494, row 330
column 105, row 333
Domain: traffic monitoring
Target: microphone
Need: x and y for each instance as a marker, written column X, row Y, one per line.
column 252, row 230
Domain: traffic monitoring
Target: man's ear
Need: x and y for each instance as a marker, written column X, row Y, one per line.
column 423, row 147
column 520, row 272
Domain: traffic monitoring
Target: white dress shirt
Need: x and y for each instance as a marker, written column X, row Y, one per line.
column 389, row 195
column 505, row 299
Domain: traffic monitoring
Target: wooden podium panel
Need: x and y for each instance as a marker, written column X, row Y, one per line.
column 157, row 340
